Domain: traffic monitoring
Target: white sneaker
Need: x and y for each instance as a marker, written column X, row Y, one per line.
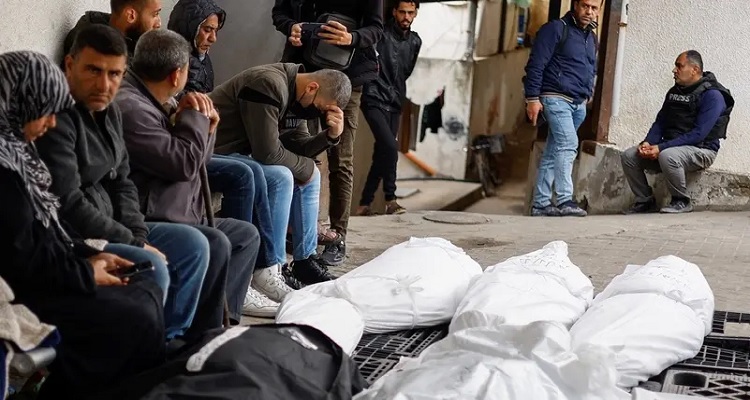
column 270, row 282
column 258, row 305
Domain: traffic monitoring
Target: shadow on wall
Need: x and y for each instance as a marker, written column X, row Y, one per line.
column 247, row 39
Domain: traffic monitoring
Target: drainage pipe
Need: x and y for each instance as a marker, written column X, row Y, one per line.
column 617, row 84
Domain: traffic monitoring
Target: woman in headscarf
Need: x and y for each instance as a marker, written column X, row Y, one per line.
column 110, row 328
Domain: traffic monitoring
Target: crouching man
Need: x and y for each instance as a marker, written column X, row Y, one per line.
column 685, row 136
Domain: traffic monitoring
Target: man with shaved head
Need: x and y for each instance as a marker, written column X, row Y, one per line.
column 685, row 136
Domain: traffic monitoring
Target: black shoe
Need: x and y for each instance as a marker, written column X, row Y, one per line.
column 309, row 272
column 678, row 206
column 549, row 211
column 334, row 255
column 642, row 208
column 289, row 278
column 571, row 209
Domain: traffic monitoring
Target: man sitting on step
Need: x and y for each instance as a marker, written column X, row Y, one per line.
column 684, row 137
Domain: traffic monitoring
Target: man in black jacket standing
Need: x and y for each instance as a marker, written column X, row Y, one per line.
column 288, row 16
column 382, row 100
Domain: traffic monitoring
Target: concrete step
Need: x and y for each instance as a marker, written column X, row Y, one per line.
column 439, row 194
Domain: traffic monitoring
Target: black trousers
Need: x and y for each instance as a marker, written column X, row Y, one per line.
column 384, row 125
column 105, row 338
column 234, row 248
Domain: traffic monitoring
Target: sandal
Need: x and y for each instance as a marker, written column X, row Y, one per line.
column 327, row 237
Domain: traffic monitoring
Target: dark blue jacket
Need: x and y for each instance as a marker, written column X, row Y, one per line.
column 570, row 71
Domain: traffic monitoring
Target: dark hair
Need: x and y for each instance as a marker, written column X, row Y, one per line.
column 103, row 39
column 693, row 57
column 158, row 53
column 397, row 3
column 116, row 6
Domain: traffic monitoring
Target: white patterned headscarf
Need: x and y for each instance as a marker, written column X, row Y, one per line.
column 31, row 86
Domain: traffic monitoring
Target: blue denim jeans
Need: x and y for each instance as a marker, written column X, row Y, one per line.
column 292, row 205
column 243, row 183
column 556, row 165
column 187, row 254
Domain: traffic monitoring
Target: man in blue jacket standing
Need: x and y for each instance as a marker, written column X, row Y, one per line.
column 559, row 81
column 684, row 137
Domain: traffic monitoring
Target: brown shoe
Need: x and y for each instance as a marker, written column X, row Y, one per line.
column 364, row 211
column 393, row 208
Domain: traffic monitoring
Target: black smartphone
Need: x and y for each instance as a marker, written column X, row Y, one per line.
column 312, row 29
column 135, row 269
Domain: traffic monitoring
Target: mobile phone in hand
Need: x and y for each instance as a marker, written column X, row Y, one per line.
column 133, row 270
column 312, row 29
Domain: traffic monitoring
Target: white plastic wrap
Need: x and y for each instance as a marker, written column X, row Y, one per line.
column 418, row 283
column 337, row 318
column 540, row 286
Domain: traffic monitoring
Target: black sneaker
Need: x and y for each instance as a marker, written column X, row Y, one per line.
column 571, row 209
column 678, row 206
column 309, row 272
column 334, row 254
column 289, row 278
column 549, row 211
column 645, row 207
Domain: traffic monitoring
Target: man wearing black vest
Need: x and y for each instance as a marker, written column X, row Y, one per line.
column 288, row 17
column 684, row 137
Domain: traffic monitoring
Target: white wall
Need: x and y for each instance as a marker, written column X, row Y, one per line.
column 658, row 31
column 42, row 25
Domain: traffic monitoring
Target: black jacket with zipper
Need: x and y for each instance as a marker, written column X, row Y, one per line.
column 398, row 55
column 90, row 169
column 369, row 13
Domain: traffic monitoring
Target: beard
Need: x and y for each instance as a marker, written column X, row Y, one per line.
column 134, row 32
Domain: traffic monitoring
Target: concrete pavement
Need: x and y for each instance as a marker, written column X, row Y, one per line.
column 600, row 245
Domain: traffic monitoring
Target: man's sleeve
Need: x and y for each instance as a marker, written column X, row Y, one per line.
column 282, row 15
column 413, row 63
column 260, row 111
column 712, row 104
column 57, row 148
column 541, row 53
column 299, row 140
column 174, row 155
column 124, row 194
column 372, row 26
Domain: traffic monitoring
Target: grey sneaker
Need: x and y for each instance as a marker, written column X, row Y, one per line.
column 571, row 209
column 270, row 282
column 258, row 305
column 677, row 207
column 549, row 211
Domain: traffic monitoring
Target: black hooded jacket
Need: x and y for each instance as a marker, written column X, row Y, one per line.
column 185, row 19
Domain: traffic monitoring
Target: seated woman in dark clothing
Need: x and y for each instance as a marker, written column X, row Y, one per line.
column 110, row 328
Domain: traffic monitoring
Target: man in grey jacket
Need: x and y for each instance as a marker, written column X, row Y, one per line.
column 166, row 158
column 88, row 160
column 264, row 112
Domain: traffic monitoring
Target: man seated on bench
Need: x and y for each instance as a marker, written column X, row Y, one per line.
column 167, row 158
column 86, row 155
column 684, row 137
column 249, row 193
column 264, row 112
column 110, row 330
